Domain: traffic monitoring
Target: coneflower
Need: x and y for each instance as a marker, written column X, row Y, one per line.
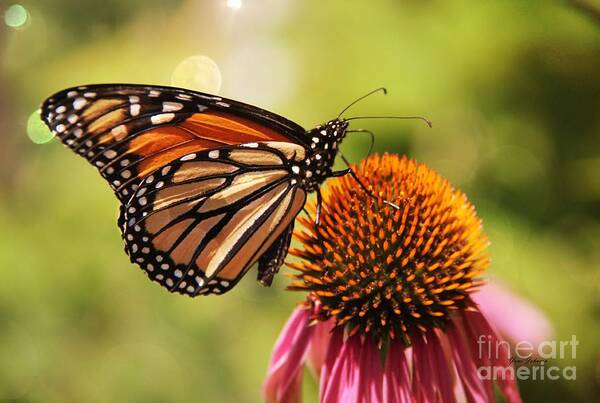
column 389, row 315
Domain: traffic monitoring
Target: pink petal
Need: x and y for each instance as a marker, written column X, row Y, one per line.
column 371, row 372
column 340, row 379
column 478, row 325
column 353, row 372
column 318, row 346
column 433, row 369
column 333, row 351
column 396, row 378
column 515, row 318
column 424, row 383
column 473, row 385
column 284, row 376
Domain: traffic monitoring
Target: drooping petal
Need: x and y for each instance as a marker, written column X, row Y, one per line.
column 340, row 380
column 478, row 325
column 333, row 351
column 318, row 346
column 447, row 375
column 284, row 376
column 515, row 318
column 396, row 377
column 424, row 383
column 434, row 378
column 473, row 385
column 371, row 372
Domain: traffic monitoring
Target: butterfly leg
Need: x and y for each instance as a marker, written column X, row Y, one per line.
column 307, row 213
column 342, row 172
column 363, row 187
column 272, row 260
column 319, row 203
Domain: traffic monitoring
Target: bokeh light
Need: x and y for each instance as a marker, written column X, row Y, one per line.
column 199, row 73
column 37, row 131
column 234, row 4
column 16, row 16
column 264, row 85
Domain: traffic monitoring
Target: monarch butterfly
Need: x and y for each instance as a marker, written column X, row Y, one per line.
column 208, row 186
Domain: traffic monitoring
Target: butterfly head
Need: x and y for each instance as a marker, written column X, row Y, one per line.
column 324, row 142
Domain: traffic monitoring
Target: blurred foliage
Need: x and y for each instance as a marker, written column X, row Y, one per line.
column 512, row 88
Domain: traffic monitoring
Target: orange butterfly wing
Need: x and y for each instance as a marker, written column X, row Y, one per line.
column 128, row 131
column 199, row 223
column 197, row 208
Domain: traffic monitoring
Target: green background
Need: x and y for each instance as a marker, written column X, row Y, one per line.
column 513, row 90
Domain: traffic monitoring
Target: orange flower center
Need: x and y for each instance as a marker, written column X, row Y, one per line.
column 388, row 271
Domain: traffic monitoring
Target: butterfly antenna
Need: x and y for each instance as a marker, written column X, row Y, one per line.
column 424, row 119
column 362, row 185
column 361, row 98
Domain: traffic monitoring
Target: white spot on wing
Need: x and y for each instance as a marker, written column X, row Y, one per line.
column 134, row 109
column 188, row 157
column 79, row 103
column 171, row 106
column 162, row 118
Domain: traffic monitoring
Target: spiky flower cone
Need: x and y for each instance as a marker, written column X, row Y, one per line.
column 385, row 271
column 389, row 315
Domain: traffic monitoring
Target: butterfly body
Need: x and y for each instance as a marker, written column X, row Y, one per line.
column 317, row 166
column 208, row 186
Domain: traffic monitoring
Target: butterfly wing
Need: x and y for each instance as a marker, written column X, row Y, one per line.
column 137, row 132
column 199, row 223
column 272, row 260
column 128, row 131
